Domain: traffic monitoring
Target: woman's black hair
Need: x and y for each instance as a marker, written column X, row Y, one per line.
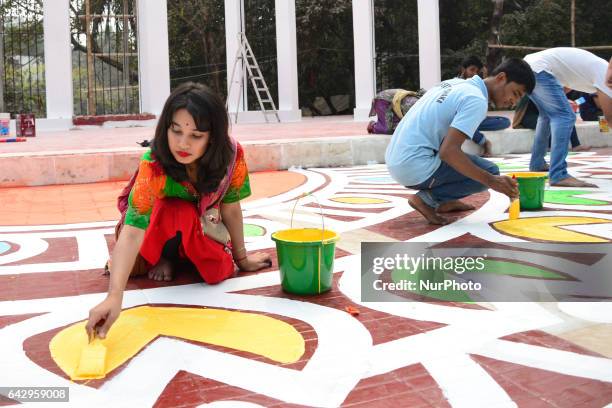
column 209, row 113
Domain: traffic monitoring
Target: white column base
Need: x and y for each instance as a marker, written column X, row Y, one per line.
column 258, row 116
column 294, row 115
column 361, row 114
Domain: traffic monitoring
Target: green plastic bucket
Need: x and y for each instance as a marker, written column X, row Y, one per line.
column 531, row 189
column 306, row 258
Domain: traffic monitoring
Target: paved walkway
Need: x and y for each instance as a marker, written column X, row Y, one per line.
column 54, row 241
column 104, row 138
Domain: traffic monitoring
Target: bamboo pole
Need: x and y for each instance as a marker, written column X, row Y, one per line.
column 528, row 48
column 91, row 102
column 573, row 22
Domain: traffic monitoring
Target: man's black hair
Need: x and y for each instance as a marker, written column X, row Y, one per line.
column 517, row 70
column 471, row 60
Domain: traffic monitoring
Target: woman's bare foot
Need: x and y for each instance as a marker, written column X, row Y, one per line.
column 162, row 271
column 426, row 211
column 454, row 205
column 572, row 182
column 581, row 148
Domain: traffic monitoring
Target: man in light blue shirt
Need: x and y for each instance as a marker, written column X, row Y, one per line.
column 425, row 151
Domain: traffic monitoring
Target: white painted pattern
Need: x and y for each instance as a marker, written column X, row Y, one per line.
column 345, row 353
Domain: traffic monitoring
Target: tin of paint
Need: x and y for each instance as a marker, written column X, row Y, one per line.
column 5, row 123
column 25, row 124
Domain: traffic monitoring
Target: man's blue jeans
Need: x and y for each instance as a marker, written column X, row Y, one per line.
column 556, row 119
column 490, row 123
column 447, row 184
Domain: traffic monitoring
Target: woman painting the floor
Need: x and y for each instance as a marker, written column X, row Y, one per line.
column 192, row 168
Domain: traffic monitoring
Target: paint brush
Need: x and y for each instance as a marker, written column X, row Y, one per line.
column 14, row 139
column 92, row 364
column 514, row 212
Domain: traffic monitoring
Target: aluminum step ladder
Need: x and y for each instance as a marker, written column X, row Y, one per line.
column 245, row 54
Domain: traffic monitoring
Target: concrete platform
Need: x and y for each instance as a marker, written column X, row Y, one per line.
column 98, row 154
column 55, row 240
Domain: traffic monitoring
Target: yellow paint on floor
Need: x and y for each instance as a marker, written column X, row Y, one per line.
column 137, row 327
column 358, row 200
column 550, row 228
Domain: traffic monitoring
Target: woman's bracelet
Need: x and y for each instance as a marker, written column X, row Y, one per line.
column 238, row 260
column 237, row 250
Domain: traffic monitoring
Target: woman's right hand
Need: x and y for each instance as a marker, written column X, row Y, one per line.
column 102, row 317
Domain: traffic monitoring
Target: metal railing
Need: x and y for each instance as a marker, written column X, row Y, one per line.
column 104, row 57
column 22, row 69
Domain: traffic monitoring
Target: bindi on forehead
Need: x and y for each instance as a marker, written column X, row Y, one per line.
column 184, row 124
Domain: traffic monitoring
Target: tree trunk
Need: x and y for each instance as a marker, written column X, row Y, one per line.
column 494, row 54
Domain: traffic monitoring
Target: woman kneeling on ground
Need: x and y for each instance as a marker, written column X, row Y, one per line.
column 168, row 209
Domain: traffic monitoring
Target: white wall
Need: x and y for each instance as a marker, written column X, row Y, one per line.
column 286, row 52
column 153, row 55
column 58, row 60
column 234, row 24
column 429, row 43
column 365, row 66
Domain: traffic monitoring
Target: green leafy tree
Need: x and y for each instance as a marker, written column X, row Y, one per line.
column 196, row 31
column 325, row 52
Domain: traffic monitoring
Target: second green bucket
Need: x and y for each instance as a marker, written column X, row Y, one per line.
column 531, row 189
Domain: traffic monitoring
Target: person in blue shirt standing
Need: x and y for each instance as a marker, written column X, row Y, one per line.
column 425, row 150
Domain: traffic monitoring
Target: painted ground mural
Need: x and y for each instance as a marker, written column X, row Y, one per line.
column 246, row 343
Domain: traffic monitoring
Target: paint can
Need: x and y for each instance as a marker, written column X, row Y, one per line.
column 5, row 124
column 25, row 124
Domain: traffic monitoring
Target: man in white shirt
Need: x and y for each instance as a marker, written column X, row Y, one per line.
column 425, row 150
column 554, row 69
column 609, row 74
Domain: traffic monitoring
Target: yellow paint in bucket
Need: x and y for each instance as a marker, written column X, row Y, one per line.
column 305, row 235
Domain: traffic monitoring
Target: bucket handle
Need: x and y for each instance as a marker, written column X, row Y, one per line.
column 320, row 209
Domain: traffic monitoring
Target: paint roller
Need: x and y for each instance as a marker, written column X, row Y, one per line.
column 514, row 212
column 92, row 363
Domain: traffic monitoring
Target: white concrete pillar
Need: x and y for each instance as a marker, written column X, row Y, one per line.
column 429, row 43
column 365, row 65
column 153, row 55
column 58, row 60
column 234, row 24
column 286, row 53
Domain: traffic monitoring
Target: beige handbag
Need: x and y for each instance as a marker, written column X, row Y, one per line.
column 213, row 227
